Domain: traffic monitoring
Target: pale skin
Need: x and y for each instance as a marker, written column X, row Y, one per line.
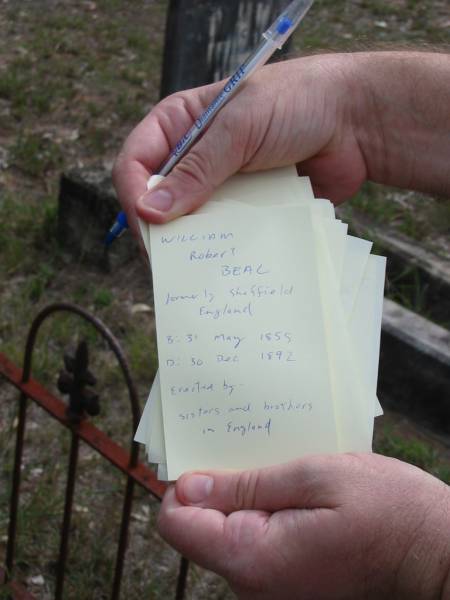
column 343, row 526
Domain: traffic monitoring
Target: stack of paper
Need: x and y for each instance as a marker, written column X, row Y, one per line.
column 268, row 318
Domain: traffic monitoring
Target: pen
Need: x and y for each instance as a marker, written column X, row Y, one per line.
column 274, row 38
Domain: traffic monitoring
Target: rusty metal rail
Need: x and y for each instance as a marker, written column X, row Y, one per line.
column 76, row 381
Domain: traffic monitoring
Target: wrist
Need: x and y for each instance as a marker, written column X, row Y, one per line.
column 399, row 114
column 424, row 568
column 446, row 585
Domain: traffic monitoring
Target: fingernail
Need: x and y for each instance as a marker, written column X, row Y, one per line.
column 197, row 488
column 161, row 200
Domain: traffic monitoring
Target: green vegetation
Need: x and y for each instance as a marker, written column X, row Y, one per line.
column 413, row 217
column 369, row 24
column 412, row 214
column 36, row 155
column 25, row 228
column 103, row 298
column 414, row 451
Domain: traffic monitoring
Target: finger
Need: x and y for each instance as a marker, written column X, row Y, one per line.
column 217, row 155
column 149, row 144
column 310, row 482
column 207, row 536
column 233, row 142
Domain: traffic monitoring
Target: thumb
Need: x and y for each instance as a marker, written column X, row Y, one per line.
column 215, row 157
column 312, row 482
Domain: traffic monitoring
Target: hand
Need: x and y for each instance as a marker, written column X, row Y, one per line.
column 341, row 118
column 324, row 527
column 285, row 114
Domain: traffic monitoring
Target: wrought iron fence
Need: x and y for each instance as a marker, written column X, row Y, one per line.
column 77, row 381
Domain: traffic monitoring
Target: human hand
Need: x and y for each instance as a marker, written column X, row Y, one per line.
column 322, row 527
column 342, row 118
column 291, row 112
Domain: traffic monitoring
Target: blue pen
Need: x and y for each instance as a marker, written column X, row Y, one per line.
column 274, row 39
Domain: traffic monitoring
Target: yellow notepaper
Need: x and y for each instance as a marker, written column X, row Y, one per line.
column 350, row 296
column 241, row 341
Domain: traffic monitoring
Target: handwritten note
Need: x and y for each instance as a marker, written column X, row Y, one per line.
column 241, row 339
column 259, row 299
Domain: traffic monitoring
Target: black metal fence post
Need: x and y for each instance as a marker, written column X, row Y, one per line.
column 65, row 530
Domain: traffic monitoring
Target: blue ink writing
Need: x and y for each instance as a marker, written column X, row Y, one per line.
column 227, row 310
column 229, row 387
column 199, row 413
column 262, row 291
column 196, row 388
column 205, row 255
column 234, row 340
column 279, row 356
column 175, row 339
column 182, row 238
column 209, row 296
column 227, row 358
column 237, row 270
column 249, row 428
column 171, row 299
column 246, row 408
column 288, row 406
column 276, row 336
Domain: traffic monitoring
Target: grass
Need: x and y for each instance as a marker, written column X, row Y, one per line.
column 413, row 451
column 368, row 24
column 151, row 567
column 35, row 155
column 95, row 519
column 406, row 288
column 414, row 215
column 129, row 108
column 37, row 284
column 25, row 228
column 103, row 298
column 416, row 218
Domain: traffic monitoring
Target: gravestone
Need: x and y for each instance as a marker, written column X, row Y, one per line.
column 207, row 40
column 87, row 207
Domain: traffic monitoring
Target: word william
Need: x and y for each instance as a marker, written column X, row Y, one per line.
column 183, row 238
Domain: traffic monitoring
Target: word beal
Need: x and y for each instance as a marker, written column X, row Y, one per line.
column 236, row 270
